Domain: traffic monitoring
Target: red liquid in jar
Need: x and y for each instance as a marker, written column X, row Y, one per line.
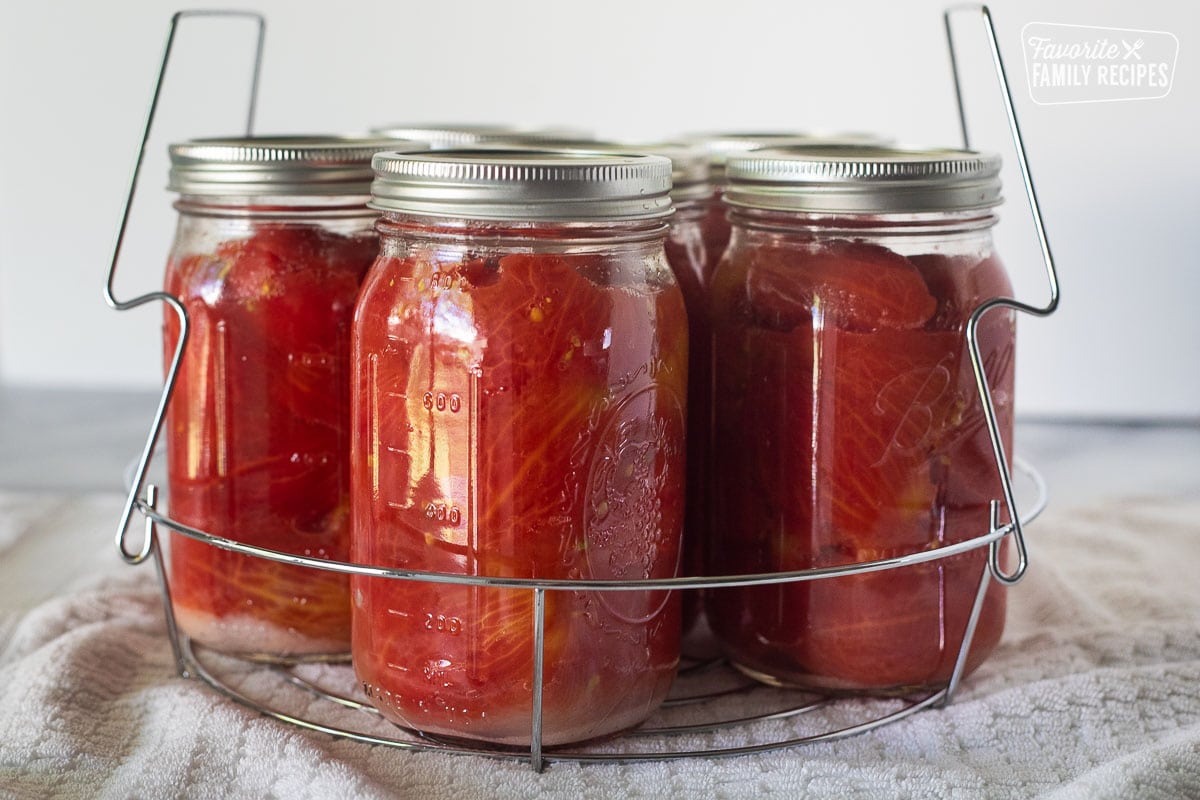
column 850, row 430
column 717, row 231
column 258, row 437
column 517, row 415
column 688, row 256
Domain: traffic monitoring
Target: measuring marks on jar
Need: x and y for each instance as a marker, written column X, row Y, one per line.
column 424, row 434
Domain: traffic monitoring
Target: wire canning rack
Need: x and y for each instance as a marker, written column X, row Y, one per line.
column 708, row 698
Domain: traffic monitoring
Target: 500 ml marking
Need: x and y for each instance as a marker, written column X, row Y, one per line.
column 441, row 401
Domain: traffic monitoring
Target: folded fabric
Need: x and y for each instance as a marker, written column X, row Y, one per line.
column 1094, row 692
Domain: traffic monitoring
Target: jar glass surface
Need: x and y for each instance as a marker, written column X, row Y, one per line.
column 519, row 411
column 687, row 254
column 716, row 230
column 851, row 430
column 257, row 431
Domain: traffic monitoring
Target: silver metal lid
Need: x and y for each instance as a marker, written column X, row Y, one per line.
column 276, row 165
column 869, row 180
column 525, row 184
column 689, row 166
column 442, row 136
column 689, row 163
column 720, row 146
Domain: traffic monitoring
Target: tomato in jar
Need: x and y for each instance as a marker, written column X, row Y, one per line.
column 687, row 254
column 848, row 415
column 519, row 410
column 257, row 431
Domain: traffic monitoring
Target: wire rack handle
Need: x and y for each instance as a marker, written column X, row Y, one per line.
column 981, row 378
column 142, row 552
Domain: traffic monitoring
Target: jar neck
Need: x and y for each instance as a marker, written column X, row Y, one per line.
column 276, row 207
column 808, row 224
column 690, row 210
column 517, row 233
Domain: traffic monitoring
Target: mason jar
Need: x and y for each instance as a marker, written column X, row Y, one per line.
column 847, row 414
column 273, row 239
column 519, row 411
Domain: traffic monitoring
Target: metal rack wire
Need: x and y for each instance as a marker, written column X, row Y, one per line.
column 288, row 693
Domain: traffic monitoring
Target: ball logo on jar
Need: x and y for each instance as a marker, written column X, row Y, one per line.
column 634, row 464
column 920, row 392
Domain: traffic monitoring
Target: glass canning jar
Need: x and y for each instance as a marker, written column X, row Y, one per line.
column 688, row 256
column 273, row 239
column 519, row 400
column 847, row 413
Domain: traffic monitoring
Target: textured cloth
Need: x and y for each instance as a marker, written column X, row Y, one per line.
column 1094, row 692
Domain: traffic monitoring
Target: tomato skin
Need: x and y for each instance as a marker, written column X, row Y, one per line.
column 850, row 431
column 517, row 414
column 257, row 431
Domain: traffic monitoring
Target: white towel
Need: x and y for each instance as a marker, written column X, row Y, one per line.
column 1094, row 692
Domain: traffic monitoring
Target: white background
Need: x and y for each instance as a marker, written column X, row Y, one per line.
column 1118, row 181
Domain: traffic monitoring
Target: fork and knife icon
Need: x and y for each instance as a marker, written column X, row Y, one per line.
column 1132, row 49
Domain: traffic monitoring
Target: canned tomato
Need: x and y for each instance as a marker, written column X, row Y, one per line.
column 273, row 239
column 847, row 413
column 519, row 400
